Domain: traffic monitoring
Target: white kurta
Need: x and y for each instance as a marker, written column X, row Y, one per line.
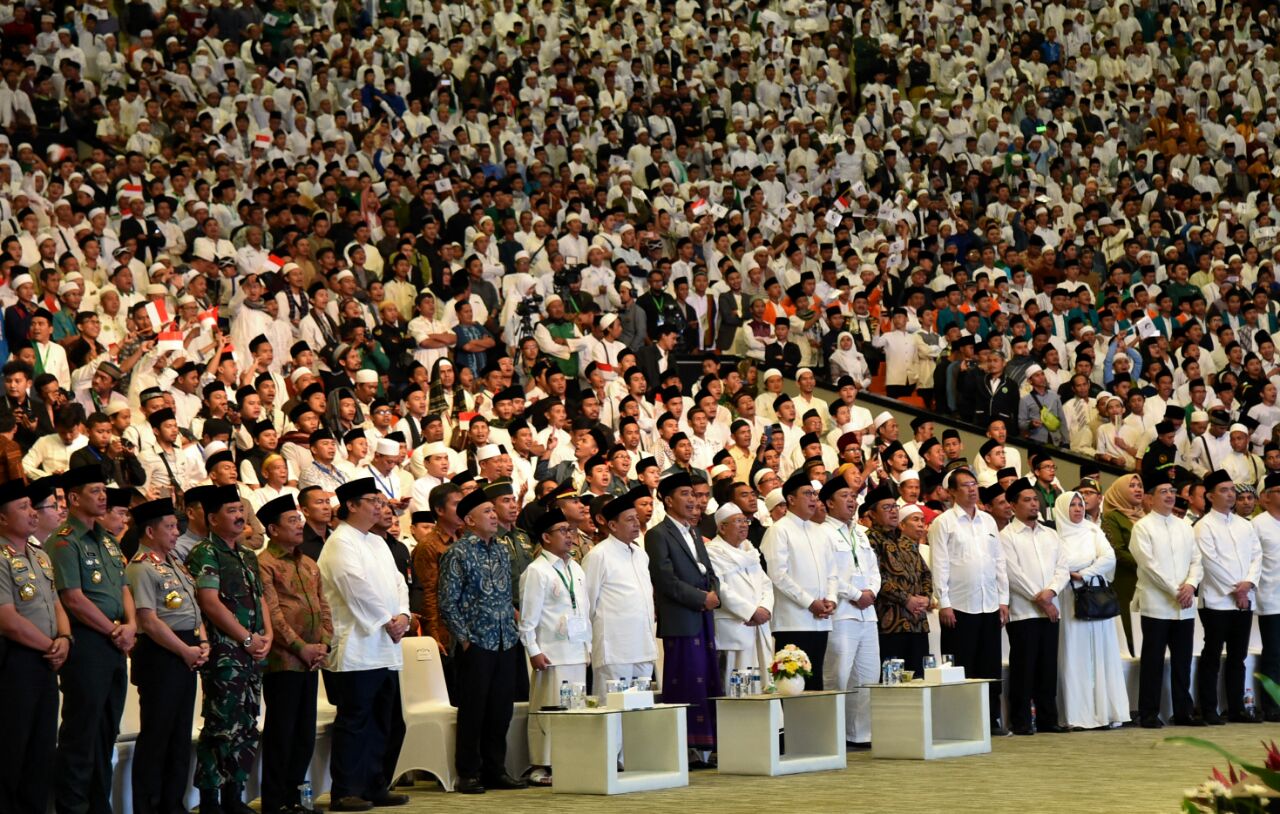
column 1091, row 686
column 365, row 591
column 620, row 594
column 744, row 587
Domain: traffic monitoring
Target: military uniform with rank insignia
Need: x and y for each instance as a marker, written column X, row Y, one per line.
column 520, row 550
column 228, row 743
column 34, row 640
column 172, row 646
column 89, row 574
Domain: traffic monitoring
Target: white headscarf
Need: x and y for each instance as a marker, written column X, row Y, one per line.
column 1062, row 518
column 848, row 360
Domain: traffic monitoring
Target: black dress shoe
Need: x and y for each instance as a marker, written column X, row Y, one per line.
column 506, row 781
column 350, row 803
column 1023, row 731
column 858, row 745
column 388, row 799
column 469, row 785
column 236, row 807
column 1273, row 717
column 1189, row 720
column 1244, row 718
column 1213, row 719
column 1056, row 729
column 1154, row 722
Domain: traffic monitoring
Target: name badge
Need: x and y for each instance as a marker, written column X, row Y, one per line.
column 577, row 629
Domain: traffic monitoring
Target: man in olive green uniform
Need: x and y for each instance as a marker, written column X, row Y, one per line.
column 171, row 647
column 35, row 638
column 89, row 573
column 519, row 549
column 229, row 593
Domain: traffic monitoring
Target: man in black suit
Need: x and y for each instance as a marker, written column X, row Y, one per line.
column 733, row 307
column 685, row 594
column 992, row 394
column 656, row 360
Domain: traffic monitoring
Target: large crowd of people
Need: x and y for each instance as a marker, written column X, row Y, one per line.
column 540, row 330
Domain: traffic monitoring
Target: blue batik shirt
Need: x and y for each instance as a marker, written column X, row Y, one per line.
column 475, row 594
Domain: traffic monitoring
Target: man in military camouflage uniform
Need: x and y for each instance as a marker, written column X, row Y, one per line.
column 172, row 647
column 519, row 549
column 89, row 574
column 35, row 639
column 229, row 593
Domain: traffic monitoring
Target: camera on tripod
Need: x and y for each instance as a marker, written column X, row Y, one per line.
column 529, row 305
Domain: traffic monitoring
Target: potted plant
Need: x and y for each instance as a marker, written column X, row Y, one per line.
column 789, row 669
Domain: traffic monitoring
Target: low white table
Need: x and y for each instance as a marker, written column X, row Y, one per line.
column 747, row 733
column 585, row 744
column 919, row 721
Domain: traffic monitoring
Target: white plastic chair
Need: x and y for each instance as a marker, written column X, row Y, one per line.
column 430, row 722
column 518, row 761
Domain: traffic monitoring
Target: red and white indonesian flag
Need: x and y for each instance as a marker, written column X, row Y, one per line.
column 169, row 342
column 209, row 319
column 272, row 263
column 700, row 206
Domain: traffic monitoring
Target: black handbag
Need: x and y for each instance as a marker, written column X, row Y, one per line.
column 1095, row 599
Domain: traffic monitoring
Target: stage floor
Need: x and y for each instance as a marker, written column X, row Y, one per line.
column 1126, row 770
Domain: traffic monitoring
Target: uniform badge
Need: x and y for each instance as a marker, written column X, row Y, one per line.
column 27, row 592
column 96, row 577
column 173, row 600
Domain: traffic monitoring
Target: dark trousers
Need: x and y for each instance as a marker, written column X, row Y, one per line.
column 910, row 647
column 813, row 643
column 368, row 732
column 898, row 391
column 30, row 729
column 93, row 687
column 1033, row 673
column 486, row 687
column 1159, row 635
column 166, row 705
column 975, row 644
column 288, row 735
column 1230, row 628
column 1269, row 661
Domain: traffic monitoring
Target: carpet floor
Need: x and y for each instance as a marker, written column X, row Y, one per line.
column 1117, row 772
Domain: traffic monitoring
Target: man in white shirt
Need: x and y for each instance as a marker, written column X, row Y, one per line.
column 853, row 648
column 1168, row 562
column 369, row 601
column 555, row 628
column 1267, row 525
column 1036, row 565
column 1232, row 558
column 620, row 594
column 802, row 566
column 970, row 584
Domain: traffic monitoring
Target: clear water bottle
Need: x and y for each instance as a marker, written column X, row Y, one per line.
column 1250, row 707
column 566, row 695
column 755, row 681
column 305, row 796
column 735, row 685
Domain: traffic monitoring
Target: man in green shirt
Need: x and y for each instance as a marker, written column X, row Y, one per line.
column 229, row 592
column 89, row 575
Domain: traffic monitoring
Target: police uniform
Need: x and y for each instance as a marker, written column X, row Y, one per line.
column 166, row 686
column 520, row 551
column 228, row 743
column 28, row 682
column 94, row 679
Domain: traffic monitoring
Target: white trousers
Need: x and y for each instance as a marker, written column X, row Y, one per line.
column 610, row 672
column 852, row 659
column 544, row 691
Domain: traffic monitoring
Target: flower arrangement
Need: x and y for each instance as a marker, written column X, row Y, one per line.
column 790, row 662
column 1251, row 789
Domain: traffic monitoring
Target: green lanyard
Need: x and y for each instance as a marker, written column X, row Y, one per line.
column 566, row 581
column 853, row 543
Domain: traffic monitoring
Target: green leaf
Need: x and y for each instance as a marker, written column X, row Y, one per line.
column 1270, row 778
column 1272, row 688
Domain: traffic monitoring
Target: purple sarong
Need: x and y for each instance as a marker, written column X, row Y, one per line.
column 691, row 675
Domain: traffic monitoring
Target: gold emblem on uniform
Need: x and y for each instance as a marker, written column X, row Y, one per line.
column 96, row 578
column 173, row 600
column 27, row 592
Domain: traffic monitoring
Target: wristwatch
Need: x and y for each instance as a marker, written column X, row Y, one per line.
column 248, row 642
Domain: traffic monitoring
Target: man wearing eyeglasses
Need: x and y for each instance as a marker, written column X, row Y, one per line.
column 555, row 627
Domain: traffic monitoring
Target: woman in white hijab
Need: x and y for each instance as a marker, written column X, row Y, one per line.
column 1091, row 688
column 847, row 361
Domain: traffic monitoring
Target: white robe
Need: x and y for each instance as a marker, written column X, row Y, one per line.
column 1091, row 684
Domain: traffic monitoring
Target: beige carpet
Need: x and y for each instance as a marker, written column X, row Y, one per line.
column 1121, row 771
